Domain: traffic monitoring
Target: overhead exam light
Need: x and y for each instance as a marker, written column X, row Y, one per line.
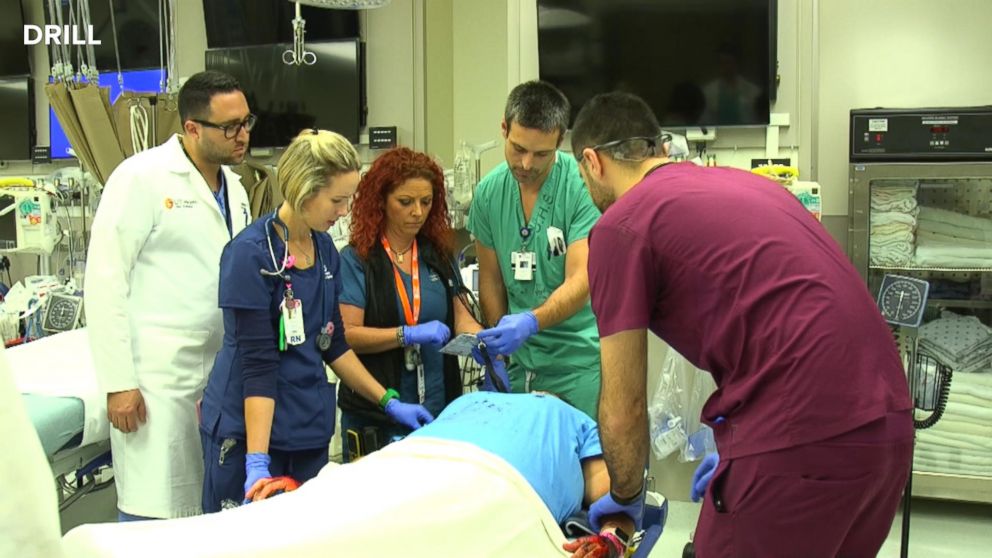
column 344, row 4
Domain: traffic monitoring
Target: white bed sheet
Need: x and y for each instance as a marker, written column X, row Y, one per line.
column 416, row 497
column 61, row 366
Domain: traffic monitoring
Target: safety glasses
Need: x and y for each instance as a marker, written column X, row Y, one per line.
column 627, row 149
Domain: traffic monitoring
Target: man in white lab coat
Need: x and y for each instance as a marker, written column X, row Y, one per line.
column 151, row 294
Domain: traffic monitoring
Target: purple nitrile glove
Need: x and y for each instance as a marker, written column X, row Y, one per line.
column 256, row 469
column 606, row 505
column 408, row 414
column 511, row 332
column 704, row 473
column 432, row 333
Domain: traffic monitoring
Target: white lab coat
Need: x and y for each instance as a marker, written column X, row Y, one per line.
column 153, row 318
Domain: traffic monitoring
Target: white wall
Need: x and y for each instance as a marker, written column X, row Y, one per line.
column 894, row 53
column 480, row 66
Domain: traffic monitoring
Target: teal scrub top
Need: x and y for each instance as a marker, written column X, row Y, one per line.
column 496, row 218
column 434, row 306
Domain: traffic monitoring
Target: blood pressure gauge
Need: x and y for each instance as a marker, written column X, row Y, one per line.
column 62, row 312
column 903, row 300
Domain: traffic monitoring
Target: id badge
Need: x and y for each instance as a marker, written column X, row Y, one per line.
column 556, row 242
column 292, row 319
column 523, row 264
column 421, row 384
column 411, row 357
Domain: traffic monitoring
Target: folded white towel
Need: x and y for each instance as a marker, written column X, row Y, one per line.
column 955, row 219
column 887, row 217
column 904, row 204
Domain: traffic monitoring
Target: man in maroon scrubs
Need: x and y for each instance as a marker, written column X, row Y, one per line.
column 815, row 436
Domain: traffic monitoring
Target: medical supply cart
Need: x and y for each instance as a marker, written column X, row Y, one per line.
column 920, row 205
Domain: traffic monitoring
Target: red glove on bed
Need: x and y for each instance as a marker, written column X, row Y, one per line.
column 270, row 486
column 604, row 545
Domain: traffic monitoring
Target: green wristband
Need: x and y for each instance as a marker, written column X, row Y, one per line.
column 387, row 397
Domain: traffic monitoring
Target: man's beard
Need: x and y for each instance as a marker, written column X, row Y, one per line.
column 601, row 196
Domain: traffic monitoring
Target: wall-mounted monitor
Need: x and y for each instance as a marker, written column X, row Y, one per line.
column 142, row 81
column 17, row 115
column 233, row 23
column 698, row 63
column 137, row 27
column 289, row 98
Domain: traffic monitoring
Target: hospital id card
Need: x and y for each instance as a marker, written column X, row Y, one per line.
column 461, row 345
column 292, row 319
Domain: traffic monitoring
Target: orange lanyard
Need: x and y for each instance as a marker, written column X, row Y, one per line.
column 411, row 315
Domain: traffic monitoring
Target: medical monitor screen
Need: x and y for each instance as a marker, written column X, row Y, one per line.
column 233, row 23
column 698, row 63
column 288, row 98
column 136, row 22
column 140, row 81
column 17, row 115
column 13, row 52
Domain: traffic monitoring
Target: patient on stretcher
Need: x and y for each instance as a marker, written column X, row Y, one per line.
column 494, row 475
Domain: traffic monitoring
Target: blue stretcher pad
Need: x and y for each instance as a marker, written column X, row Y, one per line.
column 58, row 421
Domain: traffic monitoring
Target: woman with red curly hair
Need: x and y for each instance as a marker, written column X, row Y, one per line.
column 400, row 301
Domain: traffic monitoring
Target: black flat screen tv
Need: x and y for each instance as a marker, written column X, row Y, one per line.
column 17, row 115
column 13, row 51
column 289, row 98
column 697, row 64
column 232, row 23
column 137, row 27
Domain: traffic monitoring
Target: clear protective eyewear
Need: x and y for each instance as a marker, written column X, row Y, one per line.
column 650, row 147
column 231, row 131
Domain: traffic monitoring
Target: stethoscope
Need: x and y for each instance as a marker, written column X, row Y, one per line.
column 280, row 270
column 324, row 337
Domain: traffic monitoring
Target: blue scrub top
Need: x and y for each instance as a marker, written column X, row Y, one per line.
column 434, row 306
column 541, row 436
column 305, row 400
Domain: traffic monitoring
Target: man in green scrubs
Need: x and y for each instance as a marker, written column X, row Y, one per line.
column 530, row 217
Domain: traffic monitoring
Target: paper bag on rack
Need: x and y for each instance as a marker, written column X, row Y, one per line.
column 93, row 109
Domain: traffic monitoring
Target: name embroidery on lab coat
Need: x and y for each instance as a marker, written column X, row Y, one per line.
column 179, row 203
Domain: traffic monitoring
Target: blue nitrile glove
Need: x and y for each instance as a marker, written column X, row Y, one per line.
column 607, row 506
column 498, row 368
column 256, row 469
column 511, row 332
column 704, row 473
column 408, row 414
column 432, row 333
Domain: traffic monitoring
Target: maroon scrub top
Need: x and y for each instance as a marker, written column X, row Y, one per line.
column 735, row 274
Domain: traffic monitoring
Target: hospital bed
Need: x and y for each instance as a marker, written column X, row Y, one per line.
column 59, row 390
column 442, row 498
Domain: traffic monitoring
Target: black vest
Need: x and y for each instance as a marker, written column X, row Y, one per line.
column 380, row 311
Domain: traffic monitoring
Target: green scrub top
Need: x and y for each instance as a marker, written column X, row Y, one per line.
column 563, row 359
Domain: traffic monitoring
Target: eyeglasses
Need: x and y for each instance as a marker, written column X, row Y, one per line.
column 231, row 131
column 651, row 144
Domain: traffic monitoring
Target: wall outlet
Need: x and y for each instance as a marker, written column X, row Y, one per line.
column 755, row 163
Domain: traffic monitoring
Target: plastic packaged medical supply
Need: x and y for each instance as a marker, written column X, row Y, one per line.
column 675, row 407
